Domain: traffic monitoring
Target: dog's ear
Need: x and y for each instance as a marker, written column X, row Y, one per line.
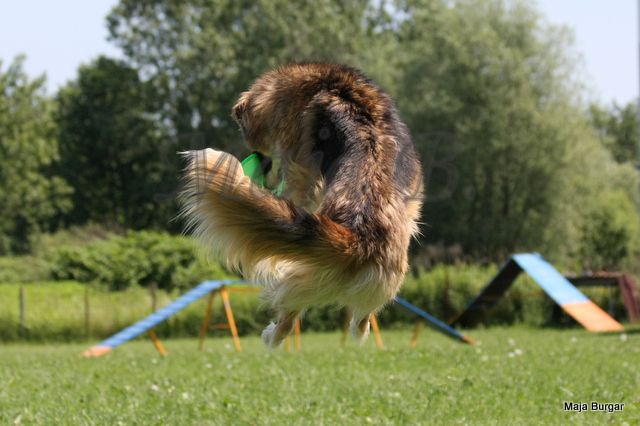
column 243, row 112
column 241, row 107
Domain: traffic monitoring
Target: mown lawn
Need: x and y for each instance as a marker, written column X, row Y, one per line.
column 513, row 376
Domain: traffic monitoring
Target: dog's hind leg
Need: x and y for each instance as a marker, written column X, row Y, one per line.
column 274, row 334
column 359, row 325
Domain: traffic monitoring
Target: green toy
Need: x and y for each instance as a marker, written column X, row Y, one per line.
column 252, row 167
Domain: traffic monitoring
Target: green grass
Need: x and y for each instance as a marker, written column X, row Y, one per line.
column 513, row 376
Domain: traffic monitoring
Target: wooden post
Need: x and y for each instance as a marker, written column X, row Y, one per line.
column 232, row 323
column 376, row 331
column 416, row 331
column 23, row 323
column 611, row 302
column 87, row 313
column 287, row 344
column 207, row 319
column 153, row 287
column 296, row 337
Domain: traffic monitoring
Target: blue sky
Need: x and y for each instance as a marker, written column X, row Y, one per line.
column 606, row 34
column 57, row 36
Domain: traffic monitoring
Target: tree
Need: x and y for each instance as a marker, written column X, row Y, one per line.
column 31, row 195
column 487, row 93
column 200, row 55
column 617, row 128
column 114, row 153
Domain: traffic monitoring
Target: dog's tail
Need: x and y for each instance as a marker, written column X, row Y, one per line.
column 244, row 224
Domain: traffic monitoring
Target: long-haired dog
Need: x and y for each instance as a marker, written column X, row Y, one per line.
column 340, row 231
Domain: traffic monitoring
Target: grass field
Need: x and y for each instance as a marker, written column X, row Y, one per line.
column 513, row 376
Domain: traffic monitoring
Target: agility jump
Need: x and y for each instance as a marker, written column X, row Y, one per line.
column 223, row 287
column 148, row 323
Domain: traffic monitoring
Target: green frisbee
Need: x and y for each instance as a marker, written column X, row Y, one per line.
column 253, row 168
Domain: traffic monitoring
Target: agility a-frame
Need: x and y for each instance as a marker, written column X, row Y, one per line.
column 570, row 299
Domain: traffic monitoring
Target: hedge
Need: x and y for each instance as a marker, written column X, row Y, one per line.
column 138, row 258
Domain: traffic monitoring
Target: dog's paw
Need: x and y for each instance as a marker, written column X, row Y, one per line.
column 268, row 335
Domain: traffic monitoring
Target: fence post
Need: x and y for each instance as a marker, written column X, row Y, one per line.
column 87, row 312
column 23, row 323
column 153, row 287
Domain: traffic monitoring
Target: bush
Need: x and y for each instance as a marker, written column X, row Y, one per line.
column 24, row 269
column 609, row 235
column 139, row 258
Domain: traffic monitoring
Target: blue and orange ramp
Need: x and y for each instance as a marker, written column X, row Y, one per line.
column 148, row 323
column 570, row 299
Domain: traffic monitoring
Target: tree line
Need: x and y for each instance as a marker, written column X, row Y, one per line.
column 514, row 159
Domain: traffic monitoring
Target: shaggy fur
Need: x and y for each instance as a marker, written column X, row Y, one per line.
column 340, row 232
